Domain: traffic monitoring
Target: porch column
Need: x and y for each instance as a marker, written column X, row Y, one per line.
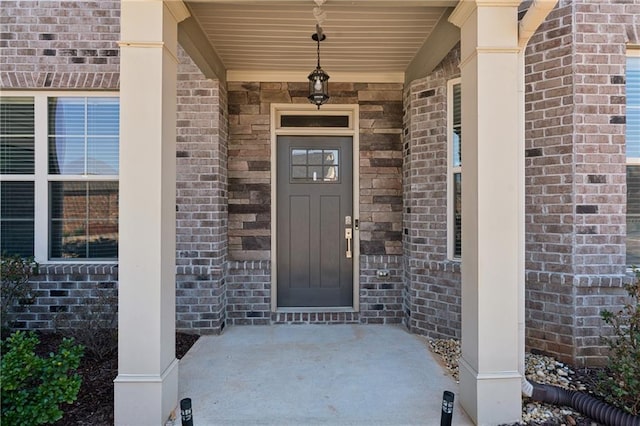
column 146, row 389
column 492, row 209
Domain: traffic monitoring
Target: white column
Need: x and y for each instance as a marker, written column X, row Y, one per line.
column 146, row 389
column 492, row 210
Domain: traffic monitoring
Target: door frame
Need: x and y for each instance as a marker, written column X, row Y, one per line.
column 353, row 130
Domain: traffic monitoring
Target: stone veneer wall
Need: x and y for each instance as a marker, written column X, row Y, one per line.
column 432, row 293
column 575, row 175
column 201, row 199
column 249, row 272
column 60, row 45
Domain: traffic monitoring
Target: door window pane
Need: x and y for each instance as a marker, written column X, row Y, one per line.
column 315, row 165
column 17, row 218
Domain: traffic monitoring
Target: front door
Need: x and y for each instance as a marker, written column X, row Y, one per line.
column 314, row 215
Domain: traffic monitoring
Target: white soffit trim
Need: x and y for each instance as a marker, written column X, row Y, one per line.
column 300, row 76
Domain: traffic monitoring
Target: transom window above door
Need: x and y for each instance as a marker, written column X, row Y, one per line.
column 312, row 165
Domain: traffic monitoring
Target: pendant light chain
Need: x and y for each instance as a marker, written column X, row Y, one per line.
column 318, row 79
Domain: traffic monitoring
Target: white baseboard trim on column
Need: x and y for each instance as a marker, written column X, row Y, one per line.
column 490, row 397
column 156, row 396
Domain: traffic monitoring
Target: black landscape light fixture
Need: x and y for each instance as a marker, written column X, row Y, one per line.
column 318, row 79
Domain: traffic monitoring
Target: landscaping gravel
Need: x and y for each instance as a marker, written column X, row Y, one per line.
column 540, row 369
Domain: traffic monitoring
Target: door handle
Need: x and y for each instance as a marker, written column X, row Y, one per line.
column 348, row 235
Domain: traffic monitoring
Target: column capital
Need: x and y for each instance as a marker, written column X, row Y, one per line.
column 466, row 7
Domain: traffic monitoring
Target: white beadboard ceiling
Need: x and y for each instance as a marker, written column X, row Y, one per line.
column 362, row 35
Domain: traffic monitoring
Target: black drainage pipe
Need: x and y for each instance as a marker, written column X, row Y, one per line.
column 591, row 407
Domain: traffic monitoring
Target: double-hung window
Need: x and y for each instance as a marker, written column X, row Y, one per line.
column 633, row 158
column 454, row 169
column 59, row 176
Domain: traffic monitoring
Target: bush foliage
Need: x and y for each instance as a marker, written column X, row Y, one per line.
column 16, row 272
column 621, row 387
column 34, row 387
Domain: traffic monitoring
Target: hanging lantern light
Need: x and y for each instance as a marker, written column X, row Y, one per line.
column 318, row 79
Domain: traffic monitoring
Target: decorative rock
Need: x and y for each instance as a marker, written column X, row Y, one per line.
column 539, row 368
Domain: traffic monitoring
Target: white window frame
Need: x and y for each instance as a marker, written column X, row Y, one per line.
column 451, row 171
column 41, row 176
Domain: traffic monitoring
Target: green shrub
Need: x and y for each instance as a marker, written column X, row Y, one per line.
column 621, row 386
column 16, row 272
column 34, row 387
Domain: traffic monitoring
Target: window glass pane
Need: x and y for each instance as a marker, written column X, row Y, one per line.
column 330, row 156
column 104, row 239
column 17, row 218
column 457, row 214
column 331, row 173
column 83, row 136
column 314, row 121
column 103, row 116
column 633, row 215
column 315, row 156
column 315, row 173
column 68, row 200
column 84, row 220
column 66, row 155
column 299, row 172
column 457, row 126
column 299, row 156
column 102, row 156
column 16, row 135
column 633, row 107
column 67, row 116
column 103, row 200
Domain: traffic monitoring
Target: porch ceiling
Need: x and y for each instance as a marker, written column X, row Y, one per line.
column 269, row 38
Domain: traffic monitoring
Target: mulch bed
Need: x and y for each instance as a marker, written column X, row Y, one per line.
column 94, row 405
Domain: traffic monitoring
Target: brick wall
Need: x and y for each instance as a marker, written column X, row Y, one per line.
column 249, row 292
column 575, row 175
column 62, row 45
column 61, row 294
column 201, row 198
column 381, row 297
column 59, row 44
column 431, row 281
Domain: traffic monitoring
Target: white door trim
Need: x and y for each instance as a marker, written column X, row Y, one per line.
column 277, row 110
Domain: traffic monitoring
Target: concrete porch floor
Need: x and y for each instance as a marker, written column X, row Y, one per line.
column 315, row 375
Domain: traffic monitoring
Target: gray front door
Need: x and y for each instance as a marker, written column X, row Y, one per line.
column 314, row 208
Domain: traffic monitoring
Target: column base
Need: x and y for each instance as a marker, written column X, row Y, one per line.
column 146, row 399
column 490, row 398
